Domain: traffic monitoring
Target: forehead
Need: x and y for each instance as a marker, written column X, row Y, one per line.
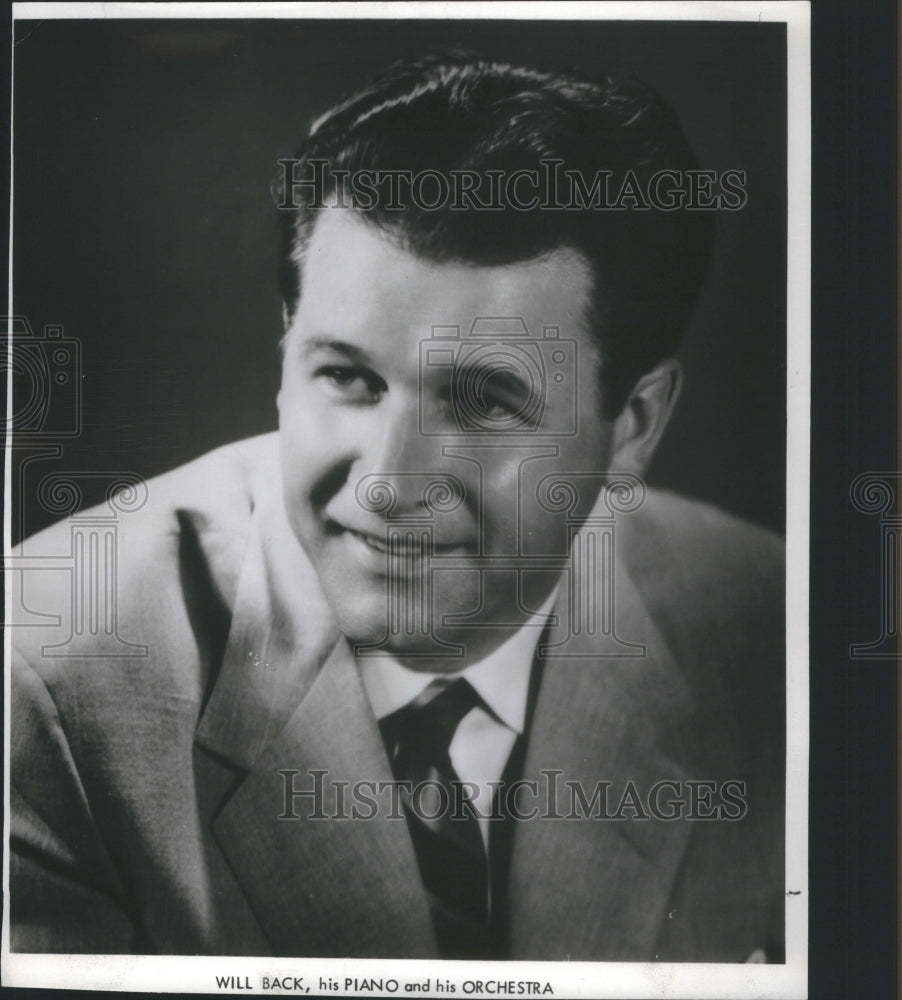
column 358, row 282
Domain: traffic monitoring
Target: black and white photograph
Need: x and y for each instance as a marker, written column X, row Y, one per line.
column 407, row 499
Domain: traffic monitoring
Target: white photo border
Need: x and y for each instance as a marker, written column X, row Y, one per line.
column 788, row 981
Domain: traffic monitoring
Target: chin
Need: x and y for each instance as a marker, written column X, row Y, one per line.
column 363, row 620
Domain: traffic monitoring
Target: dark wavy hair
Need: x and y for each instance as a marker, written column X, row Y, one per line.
column 458, row 112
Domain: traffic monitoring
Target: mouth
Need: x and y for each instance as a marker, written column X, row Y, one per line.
column 407, row 543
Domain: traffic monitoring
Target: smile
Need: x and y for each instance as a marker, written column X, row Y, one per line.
column 407, row 543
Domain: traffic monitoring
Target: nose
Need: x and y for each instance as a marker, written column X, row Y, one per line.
column 400, row 465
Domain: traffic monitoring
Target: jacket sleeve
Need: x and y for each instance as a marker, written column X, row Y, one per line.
column 65, row 894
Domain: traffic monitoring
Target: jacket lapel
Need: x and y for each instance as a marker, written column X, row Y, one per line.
column 597, row 888
column 320, row 881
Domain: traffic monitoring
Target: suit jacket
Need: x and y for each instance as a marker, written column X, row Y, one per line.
column 146, row 788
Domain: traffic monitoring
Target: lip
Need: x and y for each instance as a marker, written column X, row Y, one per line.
column 409, row 545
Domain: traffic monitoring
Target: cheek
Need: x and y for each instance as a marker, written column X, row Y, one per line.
column 502, row 487
column 297, row 466
column 311, row 418
column 514, row 488
column 501, row 501
column 305, row 426
column 306, row 452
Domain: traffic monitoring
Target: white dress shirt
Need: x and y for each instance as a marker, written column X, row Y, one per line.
column 481, row 744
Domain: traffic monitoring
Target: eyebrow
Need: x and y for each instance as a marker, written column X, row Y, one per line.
column 503, row 378
column 350, row 351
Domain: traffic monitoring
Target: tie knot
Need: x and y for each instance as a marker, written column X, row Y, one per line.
column 432, row 718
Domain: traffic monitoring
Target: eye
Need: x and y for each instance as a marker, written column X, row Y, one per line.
column 492, row 397
column 350, row 383
column 502, row 393
column 496, row 405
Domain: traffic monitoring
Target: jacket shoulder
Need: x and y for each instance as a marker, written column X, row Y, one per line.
column 215, row 491
column 698, row 561
column 162, row 563
column 712, row 535
column 715, row 585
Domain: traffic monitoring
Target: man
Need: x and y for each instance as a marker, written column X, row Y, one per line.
column 429, row 672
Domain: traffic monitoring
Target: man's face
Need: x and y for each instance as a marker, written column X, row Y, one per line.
column 415, row 444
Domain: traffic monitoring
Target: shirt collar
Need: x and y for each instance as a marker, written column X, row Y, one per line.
column 501, row 678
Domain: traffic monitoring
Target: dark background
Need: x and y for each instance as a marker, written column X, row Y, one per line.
column 143, row 222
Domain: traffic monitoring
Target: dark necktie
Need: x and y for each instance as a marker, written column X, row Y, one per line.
column 443, row 826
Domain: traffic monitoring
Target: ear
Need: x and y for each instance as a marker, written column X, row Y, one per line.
column 640, row 425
